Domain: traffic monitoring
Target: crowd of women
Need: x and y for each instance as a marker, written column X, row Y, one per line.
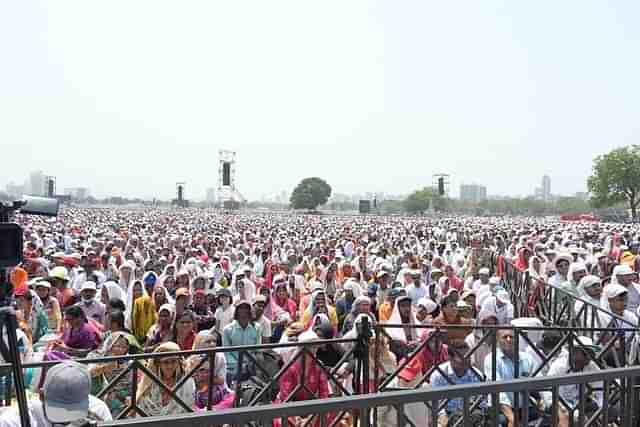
column 98, row 282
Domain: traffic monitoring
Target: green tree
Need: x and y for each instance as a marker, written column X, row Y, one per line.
column 615, row 179
column 310, row 193
column 419, row 201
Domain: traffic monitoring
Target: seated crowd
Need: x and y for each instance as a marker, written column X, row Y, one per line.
column 92, row 289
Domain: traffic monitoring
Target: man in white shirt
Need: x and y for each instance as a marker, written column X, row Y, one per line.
column 590, row 289
column 617, row 297
column 483, row 279
column 258, row 311
column 578, row 362
column 64, row 399
column 500, row 304
column 626, row 277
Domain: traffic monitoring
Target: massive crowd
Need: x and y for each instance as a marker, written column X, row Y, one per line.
column 98, row 282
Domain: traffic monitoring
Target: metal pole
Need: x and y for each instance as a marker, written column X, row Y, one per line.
column 8, row 320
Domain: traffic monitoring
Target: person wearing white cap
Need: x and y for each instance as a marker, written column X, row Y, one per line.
column 590, row 289
column 425, row 309
column 625, row 276
column 561, row 265
column 500, row 304
column 615, row 299
column 93, row 309
column 64, row 399
column 416, row 288
column 577, row 271
column 483, row 279
column 579, row 361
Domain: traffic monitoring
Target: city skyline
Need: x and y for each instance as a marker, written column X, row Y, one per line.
column 390, row 96
column 476, row 192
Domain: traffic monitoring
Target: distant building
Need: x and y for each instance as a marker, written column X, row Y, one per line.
column 211, row 195
column 77, row 193
column 14, row 190
column 36, row 183
column 546, row 188
column 582, row 196
column 473, row 193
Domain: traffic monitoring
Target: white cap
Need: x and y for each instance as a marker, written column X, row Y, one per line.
column 589, row 281
column 614, row 290
column 428, row 304
column 484, row 271
column 66, row 392
column 89, row 286
column 622, row 270
column 43, row 284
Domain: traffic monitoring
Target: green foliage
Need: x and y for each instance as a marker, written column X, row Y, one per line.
column 310, row 193
column 616, row 178
column 419, row 201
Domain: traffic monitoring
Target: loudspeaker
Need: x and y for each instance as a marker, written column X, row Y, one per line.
column 226, row 174
column 50, row 188
column 441, row 186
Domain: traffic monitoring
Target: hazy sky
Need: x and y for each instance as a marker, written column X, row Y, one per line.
column 131, row 96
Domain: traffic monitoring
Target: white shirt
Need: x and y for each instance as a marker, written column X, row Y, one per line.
column 607, row 321
column 504, row 313
column 11, row 416
column 265, row 325
column 588, row 311
column 570, row 393
column 224, row 317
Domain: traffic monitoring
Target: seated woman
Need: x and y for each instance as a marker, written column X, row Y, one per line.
column 403, row 340
column 116, row 325
column 113, row 304
column 184, row 330
column 118, row 344
column 79, row 337
column 315, row 380
column 50, row 305
column 161, row 297
column 319, row 305
column 152, row 398
column 33, row 313
column 134, row 293
column 162, row 331
column 221, row 395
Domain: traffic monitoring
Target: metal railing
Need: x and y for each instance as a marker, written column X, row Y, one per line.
column 620, row 411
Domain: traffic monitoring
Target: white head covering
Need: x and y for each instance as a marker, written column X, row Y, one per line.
column 115, row 291
column 528, row 322
column 398, row 334
column 130, row 301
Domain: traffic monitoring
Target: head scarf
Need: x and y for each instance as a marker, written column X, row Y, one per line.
column 114, row 291
column 398, row 334
column 154, row 366
column 130, row 302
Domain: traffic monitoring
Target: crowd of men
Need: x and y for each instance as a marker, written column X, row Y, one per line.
column 115, row 282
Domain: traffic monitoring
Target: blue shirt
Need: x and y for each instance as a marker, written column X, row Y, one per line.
column 415, row 293
column 451, row 378
column 505, row 371
column 234, row 335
